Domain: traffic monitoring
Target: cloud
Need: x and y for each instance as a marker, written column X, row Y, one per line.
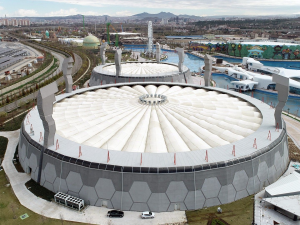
column 186, row 4
column 1, row 8
column 68, row 12
column 124, row 13
column 26, row 12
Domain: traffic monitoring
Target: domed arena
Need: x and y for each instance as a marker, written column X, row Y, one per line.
column 140, row 72
column 156, row 146
column 91, row 42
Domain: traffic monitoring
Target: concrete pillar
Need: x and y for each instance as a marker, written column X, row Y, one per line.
column 45, row 101
column 157, row 52
column 208, row 69
column 180, row 52
column 118, row 57
column 67, row 70
column 283, row 88
column 102, row 53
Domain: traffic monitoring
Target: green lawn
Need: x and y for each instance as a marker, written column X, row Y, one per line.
column 14, row 124
column 239, row 212
column 11, row 209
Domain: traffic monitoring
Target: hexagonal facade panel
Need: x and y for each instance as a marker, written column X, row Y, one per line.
column 272, row 175
column 60, row 185
column 50, row 173
column 285, row 157
column 74, row 182
column 211, row 187
column 250, row 185
column 33, row 162
column 241, row 194
column 22, row 152
column 89, row 195
column 48, row 185
column 227, row 194
column 277, row 161
column 262, row 172
column 158, row 202
column 42, row 178
column 105, row 188
column 240, row 180
column 177, row 191
column 140, row 191
column 126, row 202
column 34, row 175
column 139, row 207
column 176, row 207
column 104, row 203
column 190, row 200
column 212, row 202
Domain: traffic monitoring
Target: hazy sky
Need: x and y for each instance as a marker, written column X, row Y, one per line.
column 14, row 8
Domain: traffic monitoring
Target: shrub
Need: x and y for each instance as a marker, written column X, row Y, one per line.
column 21, row 103
column 3, row 114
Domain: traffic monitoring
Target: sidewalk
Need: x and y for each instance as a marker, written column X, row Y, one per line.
column 92, row 215
column 293, row 129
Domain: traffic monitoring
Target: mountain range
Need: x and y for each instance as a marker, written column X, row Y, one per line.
column 167, row 15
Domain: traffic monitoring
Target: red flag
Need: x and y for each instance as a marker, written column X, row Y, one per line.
column 108, row 158
column 174, row 158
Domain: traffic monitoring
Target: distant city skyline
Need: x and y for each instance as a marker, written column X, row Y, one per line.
column 42, row 8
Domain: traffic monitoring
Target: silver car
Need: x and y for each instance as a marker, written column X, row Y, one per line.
column 147, row 215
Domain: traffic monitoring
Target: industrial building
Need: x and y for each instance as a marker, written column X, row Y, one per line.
column 156, row 146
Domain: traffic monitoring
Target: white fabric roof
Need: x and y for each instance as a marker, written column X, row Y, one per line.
column 289, row 73
column 288, row 203
column 286, row 185
column 191, row 119
column 244, row 82
column 143, row 68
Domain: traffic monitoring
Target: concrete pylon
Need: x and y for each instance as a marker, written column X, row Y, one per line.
column 180, row 52
column 118, row 57
column 102, row 53
column 45, row 99
column 208, row 69
column 283, row 88
column 157, row 52
column 67, row 70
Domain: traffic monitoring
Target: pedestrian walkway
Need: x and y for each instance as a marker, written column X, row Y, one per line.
column 293, row 129
column 91, row 215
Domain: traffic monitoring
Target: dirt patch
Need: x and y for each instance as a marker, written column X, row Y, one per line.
column 294, row 151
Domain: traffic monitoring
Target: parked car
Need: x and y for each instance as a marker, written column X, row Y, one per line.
column 147, row 215
column 115, row 213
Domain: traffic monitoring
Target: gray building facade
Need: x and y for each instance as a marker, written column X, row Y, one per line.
column 158, row 189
